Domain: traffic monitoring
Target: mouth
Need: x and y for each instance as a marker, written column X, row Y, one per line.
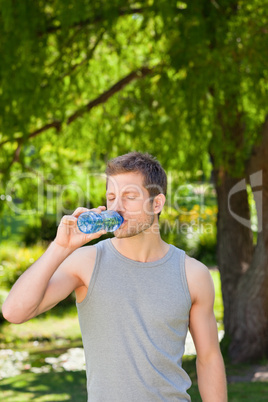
column 123, row 224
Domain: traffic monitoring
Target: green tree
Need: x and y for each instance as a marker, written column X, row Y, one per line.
column 186, row 81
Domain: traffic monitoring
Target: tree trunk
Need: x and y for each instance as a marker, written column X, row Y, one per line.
column 249, row 330
column 235, row 242
column 243, row 267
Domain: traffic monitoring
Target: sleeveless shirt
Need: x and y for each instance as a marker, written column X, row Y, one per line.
column 134, row 322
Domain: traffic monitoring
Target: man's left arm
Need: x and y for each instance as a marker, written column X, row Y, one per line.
column 203, row 328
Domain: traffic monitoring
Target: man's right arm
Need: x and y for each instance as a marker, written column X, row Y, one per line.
column 53, row 276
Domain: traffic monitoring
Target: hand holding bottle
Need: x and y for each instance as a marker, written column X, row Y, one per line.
column 68, row 234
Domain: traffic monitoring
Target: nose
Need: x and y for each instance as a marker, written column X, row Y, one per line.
column 118, row 205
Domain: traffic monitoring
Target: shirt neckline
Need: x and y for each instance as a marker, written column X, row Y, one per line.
column 149, row 264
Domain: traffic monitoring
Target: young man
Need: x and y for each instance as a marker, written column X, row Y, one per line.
column 136, row 296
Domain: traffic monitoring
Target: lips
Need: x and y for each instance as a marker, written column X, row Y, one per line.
column 123, row 224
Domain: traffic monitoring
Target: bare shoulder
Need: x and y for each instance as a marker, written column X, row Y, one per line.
column 85, row 252
column 84, row 256
column 199, row 280
column 80, row 262
column 195, row 267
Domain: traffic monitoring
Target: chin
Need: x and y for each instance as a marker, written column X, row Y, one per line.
column 122, row 234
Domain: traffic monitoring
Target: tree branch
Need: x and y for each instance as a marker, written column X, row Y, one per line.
column 137, row 74
column 55, row 124
column 107, row 94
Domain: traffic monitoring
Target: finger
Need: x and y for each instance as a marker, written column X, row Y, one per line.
column 68, row 224
column 79, row 211
column 69, row 220
column 100, row 209
column 92, row 236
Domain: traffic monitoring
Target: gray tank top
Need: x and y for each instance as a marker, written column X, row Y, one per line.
column 134, row 321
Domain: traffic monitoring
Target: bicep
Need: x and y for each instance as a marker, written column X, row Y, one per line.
column 62, row 283
column 202, row 324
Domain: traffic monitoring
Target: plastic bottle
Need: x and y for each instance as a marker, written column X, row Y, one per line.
column 92, row 222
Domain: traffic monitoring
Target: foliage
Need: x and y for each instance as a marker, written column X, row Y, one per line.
column 46, row 231
column 203, row 73
column 31, row 235
column 83, row 81
column 189, row 222
column 206, row 249
column 200, row 70
column 15, row 260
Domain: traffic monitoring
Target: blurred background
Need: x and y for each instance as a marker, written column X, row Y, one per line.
column 82, row 82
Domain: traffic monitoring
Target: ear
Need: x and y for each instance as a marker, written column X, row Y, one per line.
column 159, row 202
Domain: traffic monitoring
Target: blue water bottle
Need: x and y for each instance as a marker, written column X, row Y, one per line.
column 92, row 222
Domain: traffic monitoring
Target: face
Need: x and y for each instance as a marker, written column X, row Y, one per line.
column 127, row 195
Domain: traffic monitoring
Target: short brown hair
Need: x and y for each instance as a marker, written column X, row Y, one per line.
column 155, row 178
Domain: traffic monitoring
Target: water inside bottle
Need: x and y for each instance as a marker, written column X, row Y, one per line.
column 91, row 222
column 112, row 220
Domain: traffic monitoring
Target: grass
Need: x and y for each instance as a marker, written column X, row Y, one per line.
column 71, row 386
column 250, row 392
column 238, row 392
column 63, row 386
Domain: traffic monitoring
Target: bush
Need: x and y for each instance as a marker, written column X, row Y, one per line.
column 206, row 250
column 44, row 231
column 171, row 235
column 49, row 227
column 15, row 260
column 31, row 235
column 193, row 230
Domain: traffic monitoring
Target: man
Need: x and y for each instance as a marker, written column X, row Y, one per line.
column 136, row 296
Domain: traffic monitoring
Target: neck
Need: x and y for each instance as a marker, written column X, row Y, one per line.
column 147, row 246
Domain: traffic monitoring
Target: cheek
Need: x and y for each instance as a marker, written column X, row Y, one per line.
column 148, row 207
column 133, row 208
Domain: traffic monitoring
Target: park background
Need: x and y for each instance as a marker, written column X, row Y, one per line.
column 82, row 82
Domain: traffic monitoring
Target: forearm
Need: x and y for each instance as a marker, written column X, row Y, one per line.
column 28, row 292
column 212, row 379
